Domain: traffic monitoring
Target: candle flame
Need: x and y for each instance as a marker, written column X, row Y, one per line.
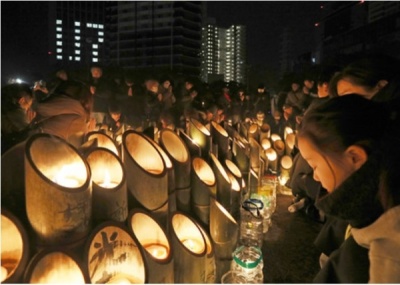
column 66, row 178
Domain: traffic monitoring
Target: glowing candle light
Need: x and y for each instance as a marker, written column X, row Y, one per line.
column 3, row 274
column 107, row 181
column 158, row 251
column 65, row 177
column 193, row 245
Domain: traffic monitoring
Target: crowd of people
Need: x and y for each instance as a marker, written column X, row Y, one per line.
column 345, row 161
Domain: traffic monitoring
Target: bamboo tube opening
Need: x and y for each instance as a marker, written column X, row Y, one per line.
column 275, row 137
column 279, row 146
column 232, row 167
column 164, row 155
column 290, row 142
column 144, row 153
column 199, row 133
column 265, row 128
column 14, row 248
column 174, row 145
column 286, row 162
column 203, row 170
column 188, row 234
column 51, row 267
column 219, row 129
column 287, row 131
column 103, row 140
column 57, row 162
column 220, row 168
column 265, row 144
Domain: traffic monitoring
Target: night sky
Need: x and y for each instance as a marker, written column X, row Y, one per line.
column 24, row 31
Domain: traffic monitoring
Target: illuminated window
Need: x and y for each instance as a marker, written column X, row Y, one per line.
column 101, row 40
column 95, row 26
column 71, row 58
column 95, row 53
column 59, row 29
column 59, row 50
column 77, row 58
column 95, row 46
column 77, row 38
column 59, row 57
column 59, row 43
column 77, row 24
column 101, row 33
column 95, row 59
column 59, row 36
column 58, row 22
column 77, row 31
column 89, row 25
column 77, row 44
column 101, row 26
column 77, row 51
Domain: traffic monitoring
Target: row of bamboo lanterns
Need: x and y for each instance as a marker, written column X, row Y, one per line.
column 166, row 184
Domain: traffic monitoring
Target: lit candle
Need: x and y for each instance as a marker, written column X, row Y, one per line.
column 3, row 274
column 119, row 279
column 107, row 181
column 193, row 245
column 65, row 177
column 158, row 251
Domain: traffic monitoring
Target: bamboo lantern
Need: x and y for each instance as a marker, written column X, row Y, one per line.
column 201, row 135
column 253, row 183
column 193, row 147
column 203, row 184
column 289, row 143
column 265, row 143
column 210, row 265
column 265, row 132
column 240, row 157
column 58, row 190
column 224, row 185
column 146, row 175
column 232, row 168
column 257, row 163
column 244, row 129
column 53, row 266
column 254, row 132
column 224, row 231
column 156, row 245
column 189, row 249
column 285, row 167
column 272, row 160
column 232, row 132
column 179, row 154
column 103, row 140
column 275, row 137
column 112, row 256
column 221, row 138
column 14, row 248
column 171, row 177
column 279, row 147
column 110, row 194
column 236, row 196
column 286, row 132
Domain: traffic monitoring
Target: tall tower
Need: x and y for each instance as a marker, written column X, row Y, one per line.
column 224, row 53
column 163, row 36
column 76, row 33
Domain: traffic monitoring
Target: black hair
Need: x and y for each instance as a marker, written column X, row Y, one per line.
column 12, row 93
column 353, row 120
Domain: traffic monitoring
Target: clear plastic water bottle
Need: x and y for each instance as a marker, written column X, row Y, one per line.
column 248, row 262
column 266, row 211
column 251, row 223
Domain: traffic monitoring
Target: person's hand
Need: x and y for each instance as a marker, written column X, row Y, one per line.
column 30, row 115
column 92, row 89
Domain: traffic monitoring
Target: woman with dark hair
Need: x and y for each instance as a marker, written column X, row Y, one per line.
column 352, row 145
column 374, row 77
column 67, row 112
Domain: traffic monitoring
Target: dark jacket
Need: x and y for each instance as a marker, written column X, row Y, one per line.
column 355, row 203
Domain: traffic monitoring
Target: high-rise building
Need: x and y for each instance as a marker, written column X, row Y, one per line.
column 157, row 35
column 76, row 33
column 224, row 53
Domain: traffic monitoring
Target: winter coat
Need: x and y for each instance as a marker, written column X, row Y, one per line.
column 382, row 238
column 355, row 202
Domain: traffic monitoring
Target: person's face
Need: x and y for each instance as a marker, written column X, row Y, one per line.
column 345, row 87
column 96, row 73
column 166, row 84
column 308, row 83
column 188, row 85
column 295, row 86
column 241, row 96
column 330, row 170
column 323, row 90
column 116, row 116
column 25, row 102
column 260, row 90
